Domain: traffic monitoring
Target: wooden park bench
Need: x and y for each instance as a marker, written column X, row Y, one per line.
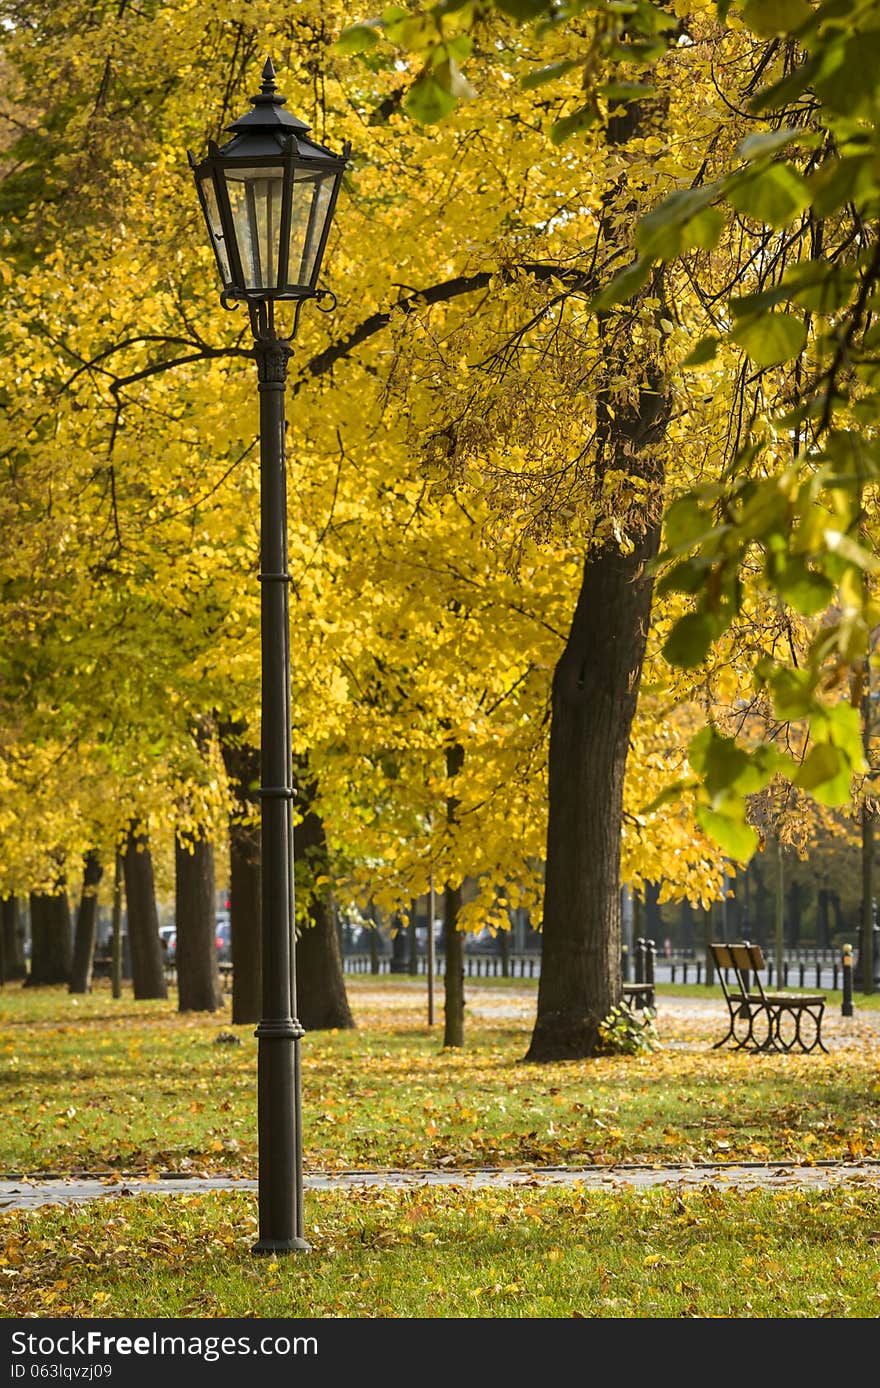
column 762, row 1021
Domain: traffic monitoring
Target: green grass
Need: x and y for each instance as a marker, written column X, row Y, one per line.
column 452, row 1253
column 100, row 1085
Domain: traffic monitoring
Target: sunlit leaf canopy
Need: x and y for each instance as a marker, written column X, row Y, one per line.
column 442, row 491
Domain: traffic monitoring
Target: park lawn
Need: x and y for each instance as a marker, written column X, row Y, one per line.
column 97, row 1084
column 447, row 1252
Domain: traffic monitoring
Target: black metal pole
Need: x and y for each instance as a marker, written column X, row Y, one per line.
column 279, row 1032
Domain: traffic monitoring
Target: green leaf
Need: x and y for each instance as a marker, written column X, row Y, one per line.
column 774, row 194
column 839, row 181
column 357, row 38
column 705, row 351
column 428, row 101
column 685, row 521
column 767, row 142
column 581, row 119
column 690, row 640
column 767, row 18
column 803, row 588
column 822, row 763
column 771, row 339
column 724, row 764
column 670, row 792
column 845, row 731
column 792, row 693
column 786, row 91
column 847, row 79
column 689, row 576
column 827, row 774
column 681, row 222
column 735, row 836
column 453, row 80
column 622, row 287
column 549, row 73
column 625, row 91
column 850, row 550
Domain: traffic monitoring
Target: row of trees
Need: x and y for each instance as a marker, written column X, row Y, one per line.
column 484, row 438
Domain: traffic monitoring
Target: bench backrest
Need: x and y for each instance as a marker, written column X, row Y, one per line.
column 744, row 960
column 744, row 956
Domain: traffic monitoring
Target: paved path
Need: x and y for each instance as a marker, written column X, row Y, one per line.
column 31, row 1193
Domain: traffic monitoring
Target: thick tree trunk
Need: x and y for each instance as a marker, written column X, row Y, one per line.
column 321, row 999
column 86, row 926
column 147, row 968
column 198, row 978
column 593, row 702
column 453, row 978
column 116, row 930
column 453, row 940
column 12, row 929
column 242, row 763
column 51, row 950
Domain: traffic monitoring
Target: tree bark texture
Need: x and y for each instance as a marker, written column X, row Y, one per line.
column 12, row 929
column 198, row 978
column 86, row 932
column 242, row 763
column 453, row 978
column 51, row 949
column 453, row 940
column 321, row 999
column 147, row 966
column 593, row 702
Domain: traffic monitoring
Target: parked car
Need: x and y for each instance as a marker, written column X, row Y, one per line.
column 168, row 940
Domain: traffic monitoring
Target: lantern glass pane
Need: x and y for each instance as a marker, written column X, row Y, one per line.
column 255, row 203
column 212, row 214
column 311, row 204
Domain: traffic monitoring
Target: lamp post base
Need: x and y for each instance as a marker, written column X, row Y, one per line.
column 282, row 1246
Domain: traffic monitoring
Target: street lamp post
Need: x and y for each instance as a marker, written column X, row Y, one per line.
column 268, row 197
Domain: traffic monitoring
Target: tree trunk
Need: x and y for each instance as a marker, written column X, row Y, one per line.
column 796, row 896
column 412, row 940
column 865, row 971
column 116, row 930
column 195, row 914
column 593, row 702
column 242, row 763
column 687, row 927
column 147, row 968
column 374, row 947
column 453, row 978
column 50, row 938
column 86, row 926
column 652, row 925
column 14, row 964
column 823, row 935
column 321, row 999
column 453, row 940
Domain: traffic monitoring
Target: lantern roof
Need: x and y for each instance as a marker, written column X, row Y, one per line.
column 267, row 129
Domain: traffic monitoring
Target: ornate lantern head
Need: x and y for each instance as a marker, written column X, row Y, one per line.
column 268, row 197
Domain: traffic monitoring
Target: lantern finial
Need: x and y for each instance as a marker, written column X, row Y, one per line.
column 268, row 88
column 268, row 94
